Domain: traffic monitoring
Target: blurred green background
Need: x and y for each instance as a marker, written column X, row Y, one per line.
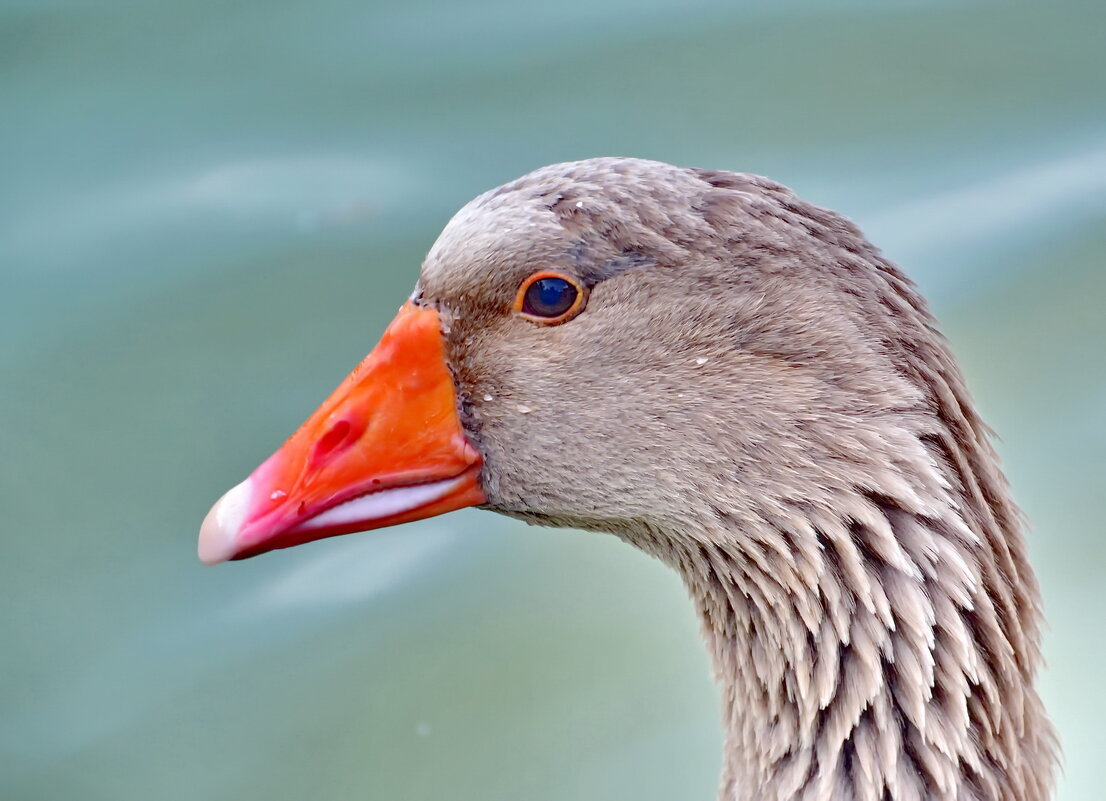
column 208, row 212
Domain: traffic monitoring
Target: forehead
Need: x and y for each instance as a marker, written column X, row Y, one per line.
column 491, row 239
column 576, row 214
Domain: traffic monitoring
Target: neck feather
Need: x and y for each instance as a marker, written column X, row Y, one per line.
column 881, row 647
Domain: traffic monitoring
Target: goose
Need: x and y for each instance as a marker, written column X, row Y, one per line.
column 738, row 383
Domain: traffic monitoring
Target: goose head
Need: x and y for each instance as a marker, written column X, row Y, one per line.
column 738, row 383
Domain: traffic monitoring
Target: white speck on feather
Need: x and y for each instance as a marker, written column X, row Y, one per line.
column 701, row 361
column 579, row 204
column 487, row 397
column 524, row 409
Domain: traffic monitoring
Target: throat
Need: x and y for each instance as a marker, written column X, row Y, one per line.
column 869, row 653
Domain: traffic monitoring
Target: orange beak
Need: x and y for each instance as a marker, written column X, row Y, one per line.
column 387, row 447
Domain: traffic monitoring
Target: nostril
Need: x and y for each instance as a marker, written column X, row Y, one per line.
column 333, row 439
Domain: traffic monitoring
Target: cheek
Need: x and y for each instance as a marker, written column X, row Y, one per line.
column 558, row 481
column 563, row 424
column 545, row 456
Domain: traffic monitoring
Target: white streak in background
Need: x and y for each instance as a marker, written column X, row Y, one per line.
column 1034, row 202
column 352, row 570
column 108, row 694
column 949, row 232
column 310, row 191
column 289, row 193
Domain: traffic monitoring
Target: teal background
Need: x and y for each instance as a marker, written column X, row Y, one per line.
column 209, row 211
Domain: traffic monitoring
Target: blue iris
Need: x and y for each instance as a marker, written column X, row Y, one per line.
column 550, row 297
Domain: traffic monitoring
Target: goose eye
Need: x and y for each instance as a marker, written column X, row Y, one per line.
column 549, row 298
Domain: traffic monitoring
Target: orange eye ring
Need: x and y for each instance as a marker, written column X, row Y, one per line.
column 530, row 291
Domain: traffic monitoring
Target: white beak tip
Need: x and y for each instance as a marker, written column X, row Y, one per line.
column 219, row 531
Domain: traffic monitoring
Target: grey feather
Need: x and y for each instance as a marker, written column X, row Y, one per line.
column 757, row 397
